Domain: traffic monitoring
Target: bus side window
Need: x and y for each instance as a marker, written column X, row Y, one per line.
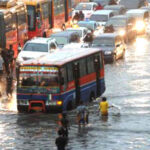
column 63, row 80
column 90, row 64
column 82, row 67
column 70, row 72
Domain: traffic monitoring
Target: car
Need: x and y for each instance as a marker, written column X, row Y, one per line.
column 64, row 37
column 82, row 31
column 102, row 3
column 76, row 45
column 102, row 16
column 133, row 4
column 36, row 47
column 86, row 7
column 118, row 9
column 112, row 45
column 124, row 26
column 142, row 19
column 91, row 25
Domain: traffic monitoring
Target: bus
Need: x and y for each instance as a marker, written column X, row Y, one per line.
column 61, row 80
column 47, row 16
column 13, row 27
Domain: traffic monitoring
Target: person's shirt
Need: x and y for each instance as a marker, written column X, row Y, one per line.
column 1, row 62
column 82, row 109
column 61, row 142
column 104, row 107
column 64, row 122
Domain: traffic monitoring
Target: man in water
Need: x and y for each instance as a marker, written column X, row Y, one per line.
column 61, row 141
column 64, row 124
column 103, row 106
column 82, row 114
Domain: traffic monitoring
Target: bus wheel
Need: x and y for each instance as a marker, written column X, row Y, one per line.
column 92, row 96
column 69, row 106
column 44, row 34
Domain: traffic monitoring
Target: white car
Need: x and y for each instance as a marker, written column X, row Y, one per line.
column 36, row 47
column 82, row 31
column 102, row 16
column 86, row 7
column 76, row 45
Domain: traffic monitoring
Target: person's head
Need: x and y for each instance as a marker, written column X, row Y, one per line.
column 76, row 13
column 104, row 99
column 80, row 12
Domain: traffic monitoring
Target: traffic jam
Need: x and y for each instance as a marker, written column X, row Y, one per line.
column 55, row 54
column 105, row 25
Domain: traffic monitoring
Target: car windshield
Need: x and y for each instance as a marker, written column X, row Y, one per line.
column 61, row 40
column 103, row 42
column 90, row 26
column 36, row 47
column 120, row 22
column 131, row 4
column 135, row 15
column 102, row 2
column 78, row 31
column 99, row 18
column 83, row 7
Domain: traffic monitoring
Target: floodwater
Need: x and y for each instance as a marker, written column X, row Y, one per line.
column 127, row 86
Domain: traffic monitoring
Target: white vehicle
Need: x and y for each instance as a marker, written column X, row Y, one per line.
column 82, row 31
column 36, row 47
column 87, row 8
column 102, row 16
column 76, row 45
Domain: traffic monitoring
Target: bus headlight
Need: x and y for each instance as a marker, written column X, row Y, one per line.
column 122, row 32
column 140, row 25
column 59, row 103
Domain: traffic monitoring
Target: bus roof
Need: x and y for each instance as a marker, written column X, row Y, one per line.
column 60, row 57
column 33, row 2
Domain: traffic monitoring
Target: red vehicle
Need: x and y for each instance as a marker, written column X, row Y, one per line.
column 13, row 25
column 45, row 15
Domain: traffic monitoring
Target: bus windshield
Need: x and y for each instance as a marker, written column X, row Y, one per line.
column 31, row 17
column 39, row 76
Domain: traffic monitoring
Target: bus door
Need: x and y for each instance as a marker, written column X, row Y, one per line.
column 38, row 21
column 77, row 82
column 51, row 14
column 97, row 71
column 66, row 10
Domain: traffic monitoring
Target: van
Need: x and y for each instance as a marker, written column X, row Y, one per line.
column 102, row 16
column 65, row 37
column 142, row 19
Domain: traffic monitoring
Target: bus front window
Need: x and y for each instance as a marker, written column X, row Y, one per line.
column 29, row 81
column 31, row 17
column 49, row 81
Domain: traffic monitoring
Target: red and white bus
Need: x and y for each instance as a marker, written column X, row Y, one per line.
column 60, row 80
column 45, row 15
column 13, row 24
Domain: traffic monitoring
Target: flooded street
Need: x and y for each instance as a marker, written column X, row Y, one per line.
column 127, row 86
